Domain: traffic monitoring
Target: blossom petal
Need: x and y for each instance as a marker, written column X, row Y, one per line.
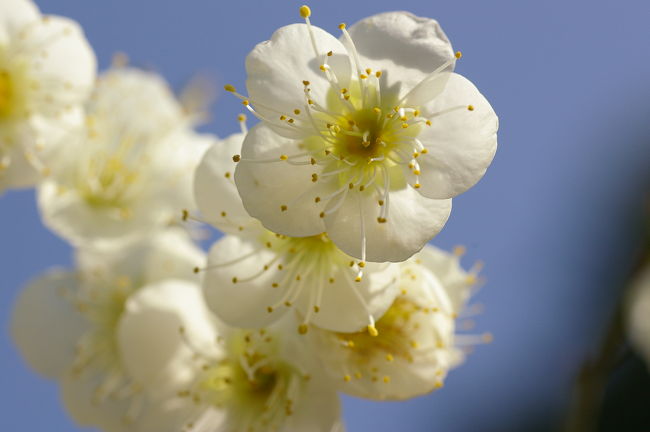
column 265, row 187
column 346, row 304
column 214, row 188
column 277, row 68
column 411, row 222
column 151, row 346
column 405, row 47
column 14, row 16
column 46, row 326
column 319, row 409
column 231, row 291
column 460, row 143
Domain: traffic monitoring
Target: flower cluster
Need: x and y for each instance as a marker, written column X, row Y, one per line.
column 322, row 282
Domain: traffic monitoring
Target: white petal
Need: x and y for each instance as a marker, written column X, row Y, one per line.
column 244, row 303
column 405, row 47
column 152, row 349
column 164, row 255
column 66, row 64
column 14, row 16
column 19, row 172
column 318, row 411
column 266, row 187
column 461, row 143
column 277, row 68
column 214, row 188
column 77, row 395
column 346, row 305
column 46, row 326
column 411, row 222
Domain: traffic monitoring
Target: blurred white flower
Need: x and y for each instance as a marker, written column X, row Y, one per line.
column 47, row 70
column 416, row 343
column 239, row 381
column 66, row 325
column 254, row 276
column 638, row 314
column 132, row 169
column 365, row 138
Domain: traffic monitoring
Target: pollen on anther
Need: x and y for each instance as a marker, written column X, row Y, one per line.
column 322, row 214
column 417, row 185
column 306, row 83
column 314, row 177
column 342, row 26
column 470, row 107
column 234, row 280
column 317, row 199
column 296, row 111
column 305, row 11
column 283, row 208
column 330, row 53
column 302, row 329
column 458, row 54
column 284, row 157
column 269, row 309
column 347, row 378
column 372, row 330
column 236, row 158
column 229, row 88
column 241, row 118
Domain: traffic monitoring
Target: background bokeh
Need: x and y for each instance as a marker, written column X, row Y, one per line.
column 556, row 219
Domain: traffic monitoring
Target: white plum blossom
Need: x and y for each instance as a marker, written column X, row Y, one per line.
column 416, row 342
column 365, row 138
column 132, row 168
column 638, row 314
column 255, row 276
column 240, row 381
column 66, row 324
column 47, row 70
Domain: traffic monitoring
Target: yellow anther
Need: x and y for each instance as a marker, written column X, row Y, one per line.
column 229, row 88
column 306, row 83
column 347, row 378
column 377, row 110
column 323, row 68
column 269, row 309
column 381, row 220
column 380, row 202
column 223, row 214
column 316, row 308
column 314, row 177
column 322, row 215
column 438, row 384
column 344, row 90
column 386, row 379
column 458, row 54
column 290, row 120
column 358, row 279
column 368, row 71
column 236, row 158
column 302, row 329
column 283, row 117
column 424, row 151
column 378, row 74
column 372, row 330
column 342, row 26
column 312, row 161
column 417, row 185
column 197, row 270
column 305, row 11
column 234, row 280
column 389, row 357
column 288, row 303
column 357, row 375
column 363, row 76
column 310, row 102
column 283, row 208
column 351, row 186
column 362, row 264
column 470, row 107
column 317, row 199
column 428, row 122
column 459, row 250
column 330, row 53
column 227, row 175
column 405, row 125
column 274, row 285
column 296, row 111
column 350, row 344
column 186, row 215
column 414, row 344
column 416, row 172
column 284, row 157
column 245, row 103
column 416, row 154
column 241, row 118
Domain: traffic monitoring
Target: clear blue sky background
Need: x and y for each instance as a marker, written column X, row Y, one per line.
column 555, row 219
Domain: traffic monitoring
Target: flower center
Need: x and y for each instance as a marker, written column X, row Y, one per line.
column 257, row 389
column 6, row 94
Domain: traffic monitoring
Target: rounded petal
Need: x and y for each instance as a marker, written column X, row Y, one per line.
column 152, row 348
column 14, row 16
column 214, row 188
column 46, row 326
column 405, row 47
column 412, row 221
column 347, row 305
column 165, row 255
column 281, row 196
column 240, row 293
column 461, row 143
column 277, row 68
column 19, row 172
column 69, row 68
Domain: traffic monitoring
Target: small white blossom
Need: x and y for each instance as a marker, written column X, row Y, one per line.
column 131, row 171
column 416, row 342
column 366, row 138
column 638, row 314
column 47, row 70
column 244, row 381
column 254, row 276
column 67, row 326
